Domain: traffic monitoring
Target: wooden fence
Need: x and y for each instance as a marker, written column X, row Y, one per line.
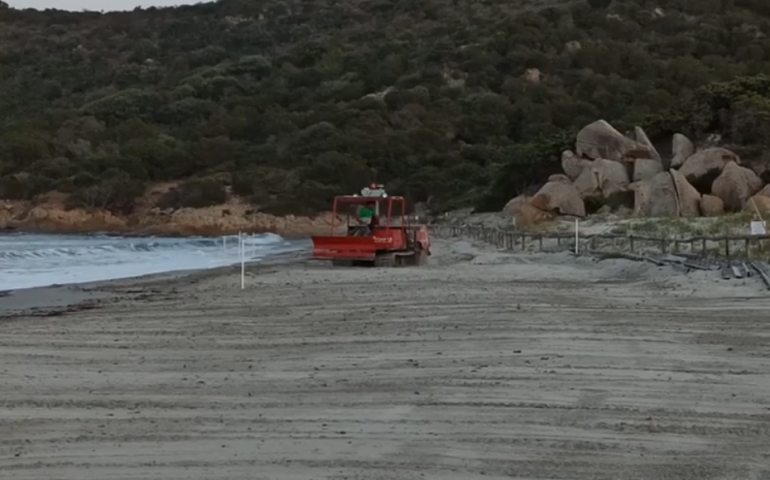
column 748, row 247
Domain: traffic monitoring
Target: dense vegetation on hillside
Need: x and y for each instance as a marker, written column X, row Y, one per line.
column 291, row 102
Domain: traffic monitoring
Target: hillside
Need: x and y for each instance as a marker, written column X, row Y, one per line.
column 455, row 102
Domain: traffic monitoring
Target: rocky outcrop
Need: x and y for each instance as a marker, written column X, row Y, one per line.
column 560, row 199
column 560, row 178
column 7, row 215
column 53, row 218
column 646, row 168
column 703, row 167
column 587, row 184
column 606, row 182
column 602, row 140
column 689, row 197
column 573, row 165
column 691, row 183
column 712, row 206
column 231, row 219
column 758, row 203
column 515, row 204
column 530, row 215
column 735, row 185
column 656, row 197
column 681, row 149
column 525, row 214
column 555, row 198
column 644, row 141
column 50, row 215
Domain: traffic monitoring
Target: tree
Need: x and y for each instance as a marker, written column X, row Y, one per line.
column 438, row 101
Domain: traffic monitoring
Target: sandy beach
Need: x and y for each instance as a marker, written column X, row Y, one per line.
column 482, row 365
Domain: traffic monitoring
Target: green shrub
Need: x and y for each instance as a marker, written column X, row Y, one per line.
column 24, row 186
column 195, row 193
column 434, row 101
column 116, row 191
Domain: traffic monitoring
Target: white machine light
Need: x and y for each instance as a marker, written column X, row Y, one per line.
column 368, row 192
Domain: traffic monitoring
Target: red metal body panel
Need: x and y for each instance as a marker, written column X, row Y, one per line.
column 393, row 233
column 344, row 248
column 358, row 248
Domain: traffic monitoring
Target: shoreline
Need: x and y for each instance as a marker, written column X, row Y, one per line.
column 49, row 215
column 56, row 299
column 262, row 253
column 139, row 234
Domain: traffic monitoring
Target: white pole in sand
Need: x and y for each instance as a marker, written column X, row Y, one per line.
column 224, row 244
column 577, row 236
column 243, row 262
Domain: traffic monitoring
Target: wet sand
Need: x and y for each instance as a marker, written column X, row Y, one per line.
column 482, row 365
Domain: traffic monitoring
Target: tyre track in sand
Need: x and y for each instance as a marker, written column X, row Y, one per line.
column 489, row 367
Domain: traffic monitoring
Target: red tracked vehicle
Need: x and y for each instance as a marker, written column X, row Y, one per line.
column 388, row 240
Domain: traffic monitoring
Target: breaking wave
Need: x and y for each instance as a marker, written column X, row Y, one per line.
column 90, row 246
column 31, row 260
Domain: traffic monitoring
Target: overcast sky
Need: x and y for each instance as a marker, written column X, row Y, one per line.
column 96, row 5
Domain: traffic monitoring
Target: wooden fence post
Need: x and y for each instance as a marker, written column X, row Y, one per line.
column 599, row 242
